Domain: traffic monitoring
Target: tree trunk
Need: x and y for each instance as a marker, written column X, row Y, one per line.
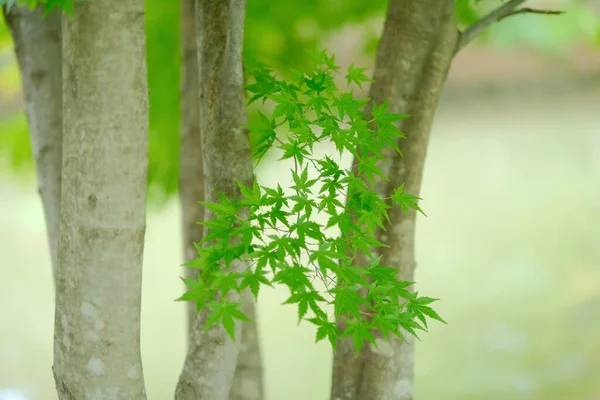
column 37, row 42
column 211, row 360
column 413, row 60
column 191, row 169
column 248, row 380
column 102, row 225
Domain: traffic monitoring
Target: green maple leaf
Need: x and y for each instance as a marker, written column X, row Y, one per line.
column 382, row 117
column 407, row 322
column 326, row 329
column 349, row 274
column 388, row 137
column 307, row 228
column 329, row 61
column 245, row 232
column 301, row 182
column 319, row 103
column 359, row 329
column 357, row 75
column 306, row 300
column 226, row 210
column 331, row 201
column 226, row 313
column 316, row 82
column 368, row 167
column 298, row 77
column 425, row 300
column 265, row 84
column 220, row 229
column 198, row 292
column 418, row 307
column 262, row 137
column 294, row 277
column 347, row 105
column 266, row 255
column 325, row 263
column 253, row 196
column 279, row 215
column 320, row 57
column 387, row 324
column 274, row 197
column 342, row 140
column 224, row 282
column 253, row 279
column 303, row 204
column 380, row 273
column 287, row 104
column 347, row 300
column 208, row 258
column 364, row 242
column 406, row 201
column 294, row 149
column 431, row 313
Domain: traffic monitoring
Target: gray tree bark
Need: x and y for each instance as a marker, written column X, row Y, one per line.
column 191, row 168
column 413, row 59
column 37, row 42
column 102, row 225
column 212, row 360
column 248, row 378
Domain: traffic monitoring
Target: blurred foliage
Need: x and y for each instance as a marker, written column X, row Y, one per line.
column 162, row 30
column 554, row 34
column 277, row 33
column 15, row 138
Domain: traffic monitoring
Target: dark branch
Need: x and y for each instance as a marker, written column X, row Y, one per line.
column 504, row 11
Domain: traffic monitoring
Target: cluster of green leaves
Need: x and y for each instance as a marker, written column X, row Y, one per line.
column 67, row 5
column 282, row 240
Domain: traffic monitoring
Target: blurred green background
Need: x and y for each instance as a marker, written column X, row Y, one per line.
column 511, row 244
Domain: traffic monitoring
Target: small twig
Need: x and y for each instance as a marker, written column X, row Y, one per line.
column 475, row 30
column 527, row 10
column 504, row 11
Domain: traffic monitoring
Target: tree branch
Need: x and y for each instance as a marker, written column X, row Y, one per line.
column 526, row 10
column 504, row 11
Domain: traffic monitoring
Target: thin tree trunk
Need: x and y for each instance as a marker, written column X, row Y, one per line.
column 211, row 360
column 191, row 168
column 37, row 42
column 247, row 381
column 102, row 225
column 413, row 60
